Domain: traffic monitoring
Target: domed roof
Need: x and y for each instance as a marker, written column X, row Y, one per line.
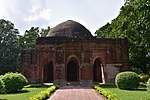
column 70, row 29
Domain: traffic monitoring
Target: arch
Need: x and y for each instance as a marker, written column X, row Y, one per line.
column 48, row 72
column 72, row 70
column 97, row 70
column 73, row 57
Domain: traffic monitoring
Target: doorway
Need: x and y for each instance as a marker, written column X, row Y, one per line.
column 48, row 73
column 97, row 72
column 72, row 71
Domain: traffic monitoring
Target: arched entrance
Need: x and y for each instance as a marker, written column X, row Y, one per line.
column 97, row 72
column 72, row 70
column 48, row 73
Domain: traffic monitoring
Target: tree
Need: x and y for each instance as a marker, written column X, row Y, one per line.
column 12, row 44
column 104, row 31
column 9, row 47
column 44, row 32
column 28, row 40
column 133, row 23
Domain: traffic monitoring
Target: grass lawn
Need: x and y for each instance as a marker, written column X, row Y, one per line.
column 23, row 95
column 138, row 94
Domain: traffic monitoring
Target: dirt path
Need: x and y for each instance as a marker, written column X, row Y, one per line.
column 76, row 93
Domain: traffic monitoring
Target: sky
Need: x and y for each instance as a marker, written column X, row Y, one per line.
column 25, row 14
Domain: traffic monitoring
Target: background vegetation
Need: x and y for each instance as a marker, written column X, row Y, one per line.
column 132, row 23
column 12, row 43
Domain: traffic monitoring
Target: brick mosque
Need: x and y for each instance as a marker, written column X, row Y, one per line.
column 69, row 53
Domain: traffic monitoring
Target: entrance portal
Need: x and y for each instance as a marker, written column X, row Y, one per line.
column 97, row 72
column 48, row 73
column 72, row 71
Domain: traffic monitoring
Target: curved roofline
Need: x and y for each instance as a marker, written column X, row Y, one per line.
column 70, row 28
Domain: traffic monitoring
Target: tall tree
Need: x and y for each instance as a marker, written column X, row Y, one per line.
column 133, row 23
column 9, row 47
column 11, row 44
column 28, row 40
column 44, row 32
column 104, row 31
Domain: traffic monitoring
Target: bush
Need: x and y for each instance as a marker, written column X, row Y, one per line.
column 144, row 78
column 43, row 95
column 148, row 85
column 14, row 82
column 127, row 80
column 2, row 86
column 106, row 93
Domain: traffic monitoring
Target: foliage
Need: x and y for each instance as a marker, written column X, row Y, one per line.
column 127, row 80
column 44, row 32
column 44, row 94
column 144, row 77
column 9, row 47
column 104, row 31
column 14, row 82
column 133, row 23
column 148, row 85
column 136, row 70
column 12, row 44
column 108, row 94
column 2, row 86
column 28, row 40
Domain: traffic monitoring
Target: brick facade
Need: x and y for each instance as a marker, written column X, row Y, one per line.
column 63, row 59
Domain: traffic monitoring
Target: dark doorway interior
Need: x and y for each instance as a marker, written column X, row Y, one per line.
column 72, row 71
column 48, row 73
column 97, row 72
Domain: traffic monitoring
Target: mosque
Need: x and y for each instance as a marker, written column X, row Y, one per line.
column 71, row 54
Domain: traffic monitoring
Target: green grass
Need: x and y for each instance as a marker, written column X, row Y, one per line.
column 23, row 95
column 137, row 94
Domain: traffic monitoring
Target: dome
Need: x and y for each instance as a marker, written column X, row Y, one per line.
column 70, row 29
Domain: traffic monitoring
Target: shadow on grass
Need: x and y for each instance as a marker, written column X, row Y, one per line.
column 113, row 86
column 19, row 92
column 139, row 89
column 107, row 86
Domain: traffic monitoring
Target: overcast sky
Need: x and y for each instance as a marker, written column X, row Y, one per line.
column 42, row 13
